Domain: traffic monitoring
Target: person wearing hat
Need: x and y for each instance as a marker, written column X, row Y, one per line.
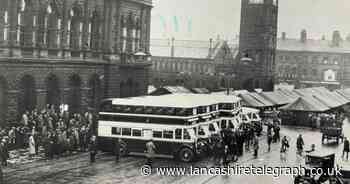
column 150, row 151
column 93, row 147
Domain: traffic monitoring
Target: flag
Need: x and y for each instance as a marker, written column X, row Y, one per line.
column 176, row 24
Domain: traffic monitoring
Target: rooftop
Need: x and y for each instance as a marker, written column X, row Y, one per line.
column 312, row 45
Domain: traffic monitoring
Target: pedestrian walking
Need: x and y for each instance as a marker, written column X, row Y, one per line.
column 4, row 152
column 117, row 150
column 93, row 148
column 225, row 160
column 284, row 147
column 256, row 146
column 32, row 146
column 300, row 145
column 284, row 144
column 150, row 151
column 269, row 141
column 346, row 149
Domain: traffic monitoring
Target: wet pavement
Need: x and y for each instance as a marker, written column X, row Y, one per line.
column 76, row 169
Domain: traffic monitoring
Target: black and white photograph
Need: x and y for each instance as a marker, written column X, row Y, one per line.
column 174, row 91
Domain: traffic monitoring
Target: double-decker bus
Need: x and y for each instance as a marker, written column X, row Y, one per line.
column 178, row 124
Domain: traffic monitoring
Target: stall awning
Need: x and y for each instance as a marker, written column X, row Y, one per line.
column 275, row 97
column 251, row 101
column 262, row 100
column 305, row 104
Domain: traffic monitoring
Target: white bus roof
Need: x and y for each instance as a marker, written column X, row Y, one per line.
column 247, row 110
column 176, row 100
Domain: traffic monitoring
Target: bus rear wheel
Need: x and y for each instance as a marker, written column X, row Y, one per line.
column 186, row 155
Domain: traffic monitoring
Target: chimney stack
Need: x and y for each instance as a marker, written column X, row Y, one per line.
column 210, row 48
column 303, row 36
column 283, row 35
column 172, row 52
column 336, row 39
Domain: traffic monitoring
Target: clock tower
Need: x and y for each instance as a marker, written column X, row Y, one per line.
column 257, row 44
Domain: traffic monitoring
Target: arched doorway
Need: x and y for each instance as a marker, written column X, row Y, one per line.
column 27, row 94
column 248, row 85
column 122, row 90
column 53, row 95
column 74, row 100
column 3, row 101
column 95, row 91
column 130, row 89
column 137, row 89
column 257, row 84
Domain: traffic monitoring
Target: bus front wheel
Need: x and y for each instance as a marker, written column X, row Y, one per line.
column 186, row 155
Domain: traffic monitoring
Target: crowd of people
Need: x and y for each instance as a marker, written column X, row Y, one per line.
column 54, row 129
column 230, row 144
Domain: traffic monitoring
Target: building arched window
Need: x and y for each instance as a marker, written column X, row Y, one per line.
column 54, row 26
column 76, row 26
column 124, row 33
column 28, row 26
column 95, row 31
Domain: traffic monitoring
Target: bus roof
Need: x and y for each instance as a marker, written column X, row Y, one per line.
column 176, row 100
column 247, row 110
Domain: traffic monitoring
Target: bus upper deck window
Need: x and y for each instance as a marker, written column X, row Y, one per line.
column 178, row 133
column 116, row 131
column 157, row 134
column 168, row 134
column 126, row 131
column 136, row 132
column 211, row 128
column 186, row 134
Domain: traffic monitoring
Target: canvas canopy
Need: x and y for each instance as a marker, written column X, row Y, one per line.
column 304, row 104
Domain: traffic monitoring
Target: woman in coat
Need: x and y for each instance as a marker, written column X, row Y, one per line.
column 31, row 145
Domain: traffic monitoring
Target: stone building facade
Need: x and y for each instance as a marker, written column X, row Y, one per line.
column 306, row 62
column 257, row 41
column 74, row 52
column 193, row 64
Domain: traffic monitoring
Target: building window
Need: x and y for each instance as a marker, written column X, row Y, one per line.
column 5, row 36
column 95, row 31
column 256, row 1
column 325, row 60
column 275, row 2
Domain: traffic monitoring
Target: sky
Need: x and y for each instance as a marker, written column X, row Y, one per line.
column 204, row 19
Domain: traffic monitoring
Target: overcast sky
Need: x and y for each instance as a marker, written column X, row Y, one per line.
column 204, row 19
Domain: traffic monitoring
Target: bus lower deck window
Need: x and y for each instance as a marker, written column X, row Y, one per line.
column 157, row 134
column 136, row 132
column 126, row 131
column 186, row 134
column 116, row 131
column 178, row 133
column 168, row 134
